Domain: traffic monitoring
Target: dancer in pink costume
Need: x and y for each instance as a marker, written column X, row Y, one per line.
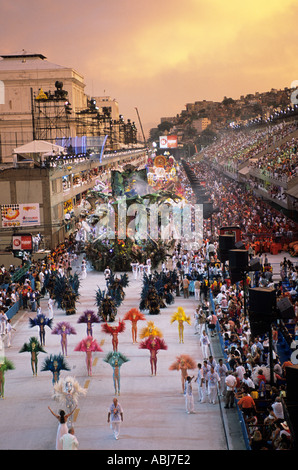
column 154, row 344
column 88, row 345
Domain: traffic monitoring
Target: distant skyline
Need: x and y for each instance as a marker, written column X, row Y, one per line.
column 158, row 56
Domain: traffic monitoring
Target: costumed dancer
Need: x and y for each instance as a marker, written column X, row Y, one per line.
column 41, row 321
column 116, row 359
column 116, row 288
column 89, row 317
column 150, row 330
column 66, row 292
column 55, row 363
column 154, row 344
column 5, row 365
column 63, row 329
column 150, row 300
column 107, row 308
column 134, row 315
column 181, row 317
column 69, row 301
column 34, row 347
column 114, row 331
column 67, row 392
column 88, row 345
column 183, row 363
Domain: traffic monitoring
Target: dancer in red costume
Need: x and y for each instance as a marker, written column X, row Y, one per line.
column 114, row 331
column 88, row 345
column 134, row 315
column 154, row 344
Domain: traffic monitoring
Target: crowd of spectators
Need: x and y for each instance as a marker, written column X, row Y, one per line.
column 24, row 285
column 246, row 351
column 236, row 146
column 235, row 205
column 248, row 360
column 280, row 163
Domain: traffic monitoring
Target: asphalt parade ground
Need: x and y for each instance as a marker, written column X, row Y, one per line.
column 154, row 406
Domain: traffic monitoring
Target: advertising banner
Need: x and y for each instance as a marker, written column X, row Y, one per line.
column 22, row 242
column 20, row 215
column 168, row 142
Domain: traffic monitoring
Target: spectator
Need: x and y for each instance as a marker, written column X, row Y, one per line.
column 69, row 440
column 247, row 404
column 231, row 383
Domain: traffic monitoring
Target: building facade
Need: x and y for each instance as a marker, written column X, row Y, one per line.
column 45, row 101
column 56, row 191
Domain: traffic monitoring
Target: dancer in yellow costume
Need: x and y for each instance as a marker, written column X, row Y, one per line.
column 150, row 330
column 180, row 317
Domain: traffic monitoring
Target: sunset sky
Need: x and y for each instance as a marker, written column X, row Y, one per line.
column 158, row 55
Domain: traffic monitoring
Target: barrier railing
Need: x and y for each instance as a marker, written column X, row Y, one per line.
column 13, row 310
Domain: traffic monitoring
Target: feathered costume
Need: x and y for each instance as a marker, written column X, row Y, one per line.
column 156, row 292
column 55, row 363
column 150, row 300
column 88, row 345
column 41, row 321
column 180, row 317
column 183, row 363
column 107, row 309
column 116, row 288
column 89, row 317
column 164, row 287
column 150, row 330
column 63, row 329
column 134, row 315
column 67, row 392
column 66, row 292
column 154, row 344
column 5, row 365
column 114, row 331
column 34, row 347
column 116, row 359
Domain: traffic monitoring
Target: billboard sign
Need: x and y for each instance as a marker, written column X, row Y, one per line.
column 20, row 215
column 168, row 142
column 22, row 242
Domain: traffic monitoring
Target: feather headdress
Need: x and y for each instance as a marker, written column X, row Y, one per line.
column 154, row 343
column 183, row 362
column 32, row 346
column 39, row 320
column 88, row 316
column 180, row 316
column 150, row 330
column 134, row 315
column 64, row 327
column 66, row 386
column 106, row 328
column 88, row 344
column 112, row 357
column 55, row 362
column 6, row 364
